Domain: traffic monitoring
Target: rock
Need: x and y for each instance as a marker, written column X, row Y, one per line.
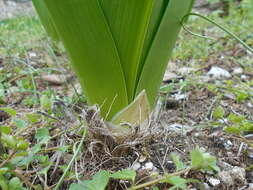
column 250, row 186
column 206, row 186
column 250, row 105
column 237, row 71
column 148, row 166
column 136, row 166
column 55, row 79
column 186, row 70
column 218, row 73
column 244, row 77
column 225, row 166
column 228, row 145
column 142, row 159
column 214, row 182
column 10, row 9
column 236, row 174
column 169, row 76
column 180, row 96
column 179, row 128
column 226, row 178
column 32, row 54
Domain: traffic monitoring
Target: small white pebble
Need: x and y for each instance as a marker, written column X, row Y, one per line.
column 136, row 166
column 32, row 54
column 250, row 105
column 237, row 71
column 244, row 77
column 149, row 166
column 142, row 159
column 214, row 181
column 218, row 73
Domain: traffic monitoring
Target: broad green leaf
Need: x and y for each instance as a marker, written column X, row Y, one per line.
column 203, row 160
column 157, row 58
column 42, row 135
column 3, row 183
column 124, row 175
column 88, row 39
column 19, row 123
column 3, row 171
column 179, row 164
column 135, row 113
column 33, row 117
column 219, row 112
column 45, row 102
column 22, row 145
column 5, row 129
column 74, row 186
column 177, row 182
column 9, row 140
column 46, row 19
column 10, row 111
column 158, row 11
column 15, row 184
column 98, row 182
column 128, row 21
column 235, row 118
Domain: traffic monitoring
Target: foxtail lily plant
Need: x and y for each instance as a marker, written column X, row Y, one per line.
column 119, row 49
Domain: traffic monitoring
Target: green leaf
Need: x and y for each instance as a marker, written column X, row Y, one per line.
column 129, row 35
column 203, row 160
column 161, row 47
column 9, row 140
column 135, row 113
column 10, row 111
column 33, row 117
column 3, row 183
column 22, row 145
column 219, row 112
column 88, row 38
column 74, row 186
column 235, row 118
column 179, row 164
column 124, row 175
column 42, row 135
column 19, row 123
column 98, row 182
column 45, row 102
column 3, row 171
column 46, row 19
column 5, row 129
column 155, row 188
column 177, row 182
column 15, row 184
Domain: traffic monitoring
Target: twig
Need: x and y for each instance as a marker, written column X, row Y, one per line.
column 71, row 161
column 7, row 160
column 24, row 179
column 158, row 180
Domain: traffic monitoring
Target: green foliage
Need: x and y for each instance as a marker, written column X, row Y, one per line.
column 202, row 160
column 219, row 112
column 133, row 36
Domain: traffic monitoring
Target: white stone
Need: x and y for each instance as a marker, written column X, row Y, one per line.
column 218, row 73
column 244, row 77
column 237, row 71
column 136, row 166
column 149, row 166
column 214, row 182
column 142, row 159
